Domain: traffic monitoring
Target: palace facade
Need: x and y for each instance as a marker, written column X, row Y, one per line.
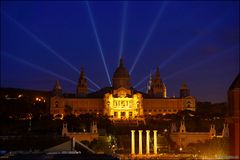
column 121, row 101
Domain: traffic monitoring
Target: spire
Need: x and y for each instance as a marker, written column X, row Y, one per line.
column 149, row 84
column 225, row 132
column 157, row 73
column 184, row 90
column 57, row 85
column 173, row 128
column 182, row 128
column 212, row 130
column 82, row 84
column 121, row 77
column 82, row 74
column 57, row 89
column 64, row 129
column 158, row 87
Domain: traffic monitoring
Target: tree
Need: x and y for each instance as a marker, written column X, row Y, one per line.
column 68, row 109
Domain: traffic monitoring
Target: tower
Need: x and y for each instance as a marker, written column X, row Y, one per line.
column 184, row 90
column 82, row 85
column 212, row 131
column 225, row 132
column 149, row 84
column 64, row 129
column 57, row 89
column 233, row 115
column 94, row 127
column 173, row 128
column 158, row 87
column 182, row 128
column 121, row 77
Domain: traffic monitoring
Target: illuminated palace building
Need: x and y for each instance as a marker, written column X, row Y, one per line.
column 121, row 101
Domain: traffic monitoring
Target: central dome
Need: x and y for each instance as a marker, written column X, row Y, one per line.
column 121, row 77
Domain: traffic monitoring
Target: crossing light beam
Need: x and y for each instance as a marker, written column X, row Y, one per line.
column 37, row 39
column 123, row 28
column 140, row 82
column 37, row 67
column 180, row 51
column 98, row 41
column 150, row 31
column 201, row 62
column 92, row 82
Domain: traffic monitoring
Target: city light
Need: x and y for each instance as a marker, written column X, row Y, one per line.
column 40, row 99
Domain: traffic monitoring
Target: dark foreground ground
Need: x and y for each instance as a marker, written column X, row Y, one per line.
column 60, row 157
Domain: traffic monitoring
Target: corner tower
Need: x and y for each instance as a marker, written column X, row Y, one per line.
column 158, row 87
column 82, row 85
column 184, row 90
column 121, row 77
column 57, row 89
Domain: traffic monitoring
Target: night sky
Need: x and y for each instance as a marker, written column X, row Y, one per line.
column 195, row 42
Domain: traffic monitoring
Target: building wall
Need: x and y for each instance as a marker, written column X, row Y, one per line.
column 83, row 136
column 234, row 104
column 168, row 105
column 79, row 105
column 119, row 106
column 183, row 139
column 146, row 106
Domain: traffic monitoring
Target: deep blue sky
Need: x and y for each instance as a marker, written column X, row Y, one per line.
column 195, row 42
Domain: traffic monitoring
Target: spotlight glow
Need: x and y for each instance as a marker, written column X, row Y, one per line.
column 143, row 88
column 124, row 17
column 140, row 82
column 37, row 39
column 38, row 67
column 98, row 41
column 92, row 82
column 201, row 62
column 195, row 39
column 91, row 89
column 150, row 31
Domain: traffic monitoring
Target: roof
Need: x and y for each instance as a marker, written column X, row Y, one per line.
column 100, row 93
column 236, row 83
column 121, row 71
column 184, row 86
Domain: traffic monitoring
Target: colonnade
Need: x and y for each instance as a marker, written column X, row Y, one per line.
column 140, row 142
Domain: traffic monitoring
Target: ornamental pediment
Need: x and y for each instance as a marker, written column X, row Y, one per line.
column 122, row 92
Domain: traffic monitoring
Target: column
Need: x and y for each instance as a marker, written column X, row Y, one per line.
column 140, row 141
column 147, row 141
column 127, row 114
column 133, row 142
column 119, row 115
column 155, row 141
